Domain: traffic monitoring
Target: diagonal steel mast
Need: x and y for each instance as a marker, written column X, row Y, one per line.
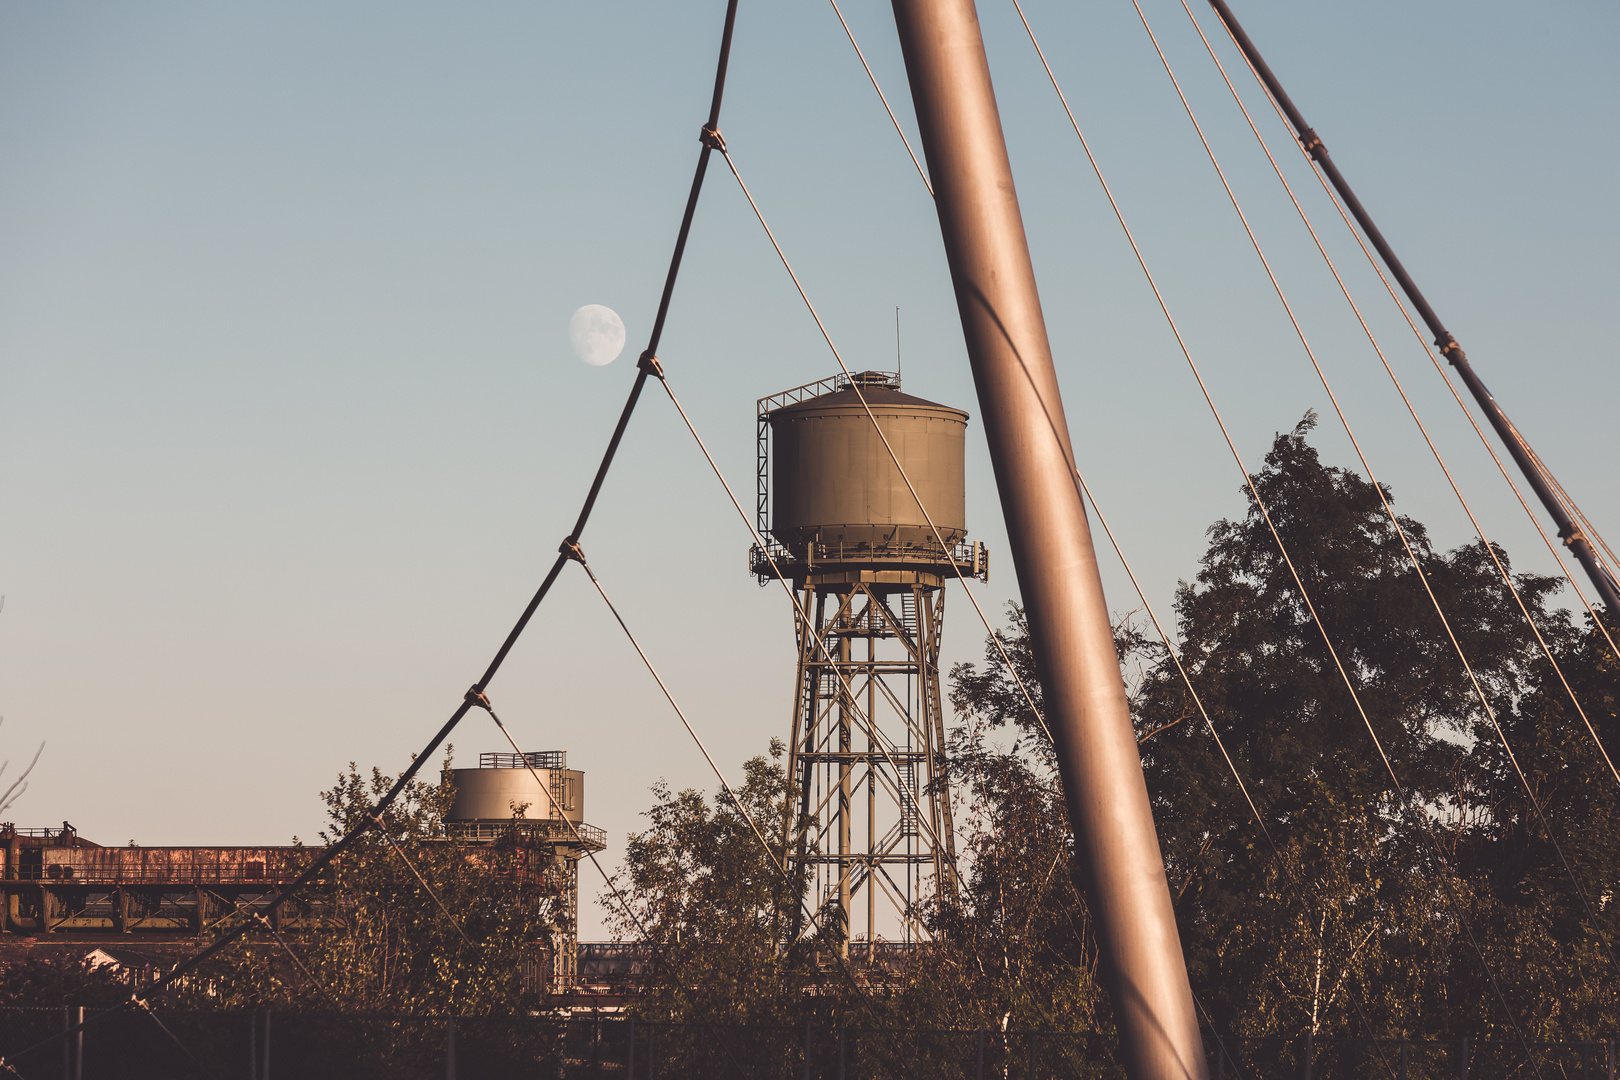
column 1051, row 545
column 1534, row 471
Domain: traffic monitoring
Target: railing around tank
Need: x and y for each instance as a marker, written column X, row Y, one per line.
column 970, row 557
column 538, row 759
column 544, row 830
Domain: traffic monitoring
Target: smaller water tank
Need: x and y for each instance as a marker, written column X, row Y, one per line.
column 540, row 783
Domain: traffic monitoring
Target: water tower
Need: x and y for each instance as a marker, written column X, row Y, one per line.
column 537, row 802
column 871, row 828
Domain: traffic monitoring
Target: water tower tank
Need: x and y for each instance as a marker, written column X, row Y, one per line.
column 834, row 483
column 540, row 783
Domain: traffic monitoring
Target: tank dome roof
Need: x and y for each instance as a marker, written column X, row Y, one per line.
column 876, row 396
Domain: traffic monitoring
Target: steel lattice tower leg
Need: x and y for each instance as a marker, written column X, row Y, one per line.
column 867, row 713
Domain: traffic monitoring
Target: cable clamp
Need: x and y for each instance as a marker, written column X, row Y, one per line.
column 1571, row 536
column 1448, row 345
column 477, row 697
column 1313, row 144
column 649, row 363
column 712, row 138
column 570, row 547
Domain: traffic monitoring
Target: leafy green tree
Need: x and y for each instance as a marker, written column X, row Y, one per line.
column 383, row 943
column 714, row 904
column 1321, row 896
column 1359, row 904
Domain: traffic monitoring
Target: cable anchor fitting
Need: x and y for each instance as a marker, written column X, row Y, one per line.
column 651, row 365
column 711, row 138
column 478, row 698
column 1449, row 349
column 1312, row 142
column 570, row 547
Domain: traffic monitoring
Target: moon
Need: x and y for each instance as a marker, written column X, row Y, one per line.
column 597, row 334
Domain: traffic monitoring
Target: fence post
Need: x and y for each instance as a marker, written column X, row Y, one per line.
column 652, row 1053
column 449, row 1048
column 1462, row 1068
column 264, row 1049
column 807, row 1050
column 1310, row 1049
column 840, row 1052
column 78, row 1048
column 1029, row 1074
column 1586, row 1059
column 253, row 1045
column 1609, row 1055
column 596, row 1047
column 67, row 1044
column 978, row 1072
column 1403, row 1059
column 630, row 1055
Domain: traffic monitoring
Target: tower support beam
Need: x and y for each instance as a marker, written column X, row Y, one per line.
column 1022, row 410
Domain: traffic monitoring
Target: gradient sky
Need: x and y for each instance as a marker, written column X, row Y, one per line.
column 290, row 427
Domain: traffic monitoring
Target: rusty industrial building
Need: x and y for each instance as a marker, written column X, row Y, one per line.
column 65, row 894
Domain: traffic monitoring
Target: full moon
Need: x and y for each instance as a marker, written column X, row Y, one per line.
column 597, row 334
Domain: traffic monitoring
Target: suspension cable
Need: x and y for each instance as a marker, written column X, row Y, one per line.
column 335, row 849
column 1423, row 578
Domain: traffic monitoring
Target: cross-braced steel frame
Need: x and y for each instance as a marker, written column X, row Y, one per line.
column 872, row 821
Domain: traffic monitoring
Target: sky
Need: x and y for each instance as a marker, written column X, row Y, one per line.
column 290, row 425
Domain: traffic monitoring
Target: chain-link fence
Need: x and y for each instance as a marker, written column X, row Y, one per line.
column 164, row 1045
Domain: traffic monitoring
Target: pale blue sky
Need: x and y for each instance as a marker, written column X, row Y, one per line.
column 290, row 427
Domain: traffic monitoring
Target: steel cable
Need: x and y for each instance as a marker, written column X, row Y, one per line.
column 1400, row 788
column 641, row 927
column 892, row 118
column 382, row 830
column 184, row 1049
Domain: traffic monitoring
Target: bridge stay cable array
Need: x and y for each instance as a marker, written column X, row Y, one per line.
column 1552, row 495
column 1079, row 481
column 1260, row 505
column 1401, row 305
column 1502, row 570
column 1478, row 689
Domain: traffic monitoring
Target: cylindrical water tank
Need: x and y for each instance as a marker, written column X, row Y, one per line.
column 832, row 481
column 488, row 794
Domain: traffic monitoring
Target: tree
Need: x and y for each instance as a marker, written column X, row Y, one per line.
column 714, row 904
column 384, row 944
column 1368, row 910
